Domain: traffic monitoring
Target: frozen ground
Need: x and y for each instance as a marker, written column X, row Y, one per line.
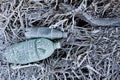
column 89, row 53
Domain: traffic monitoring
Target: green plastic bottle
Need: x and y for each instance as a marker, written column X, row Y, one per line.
column 44, row 32
column 30, row 51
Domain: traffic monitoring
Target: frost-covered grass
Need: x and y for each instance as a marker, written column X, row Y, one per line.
column 89, row 52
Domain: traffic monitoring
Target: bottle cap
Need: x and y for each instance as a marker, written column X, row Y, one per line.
column 64, row 34
column 57, row 45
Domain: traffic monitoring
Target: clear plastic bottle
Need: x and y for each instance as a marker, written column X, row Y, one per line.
column 44, row 32
column 30, row 51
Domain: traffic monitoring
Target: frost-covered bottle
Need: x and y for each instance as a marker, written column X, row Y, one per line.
column 44, row 32
column 30, row 51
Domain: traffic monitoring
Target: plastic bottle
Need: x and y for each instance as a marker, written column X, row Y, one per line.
column 44, row 32
column 30, row 51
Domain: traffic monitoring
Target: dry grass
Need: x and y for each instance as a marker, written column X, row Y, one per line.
column 89, row 53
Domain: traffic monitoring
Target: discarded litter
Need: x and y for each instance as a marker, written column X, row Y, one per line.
column 44, row 32
column 30, row 51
